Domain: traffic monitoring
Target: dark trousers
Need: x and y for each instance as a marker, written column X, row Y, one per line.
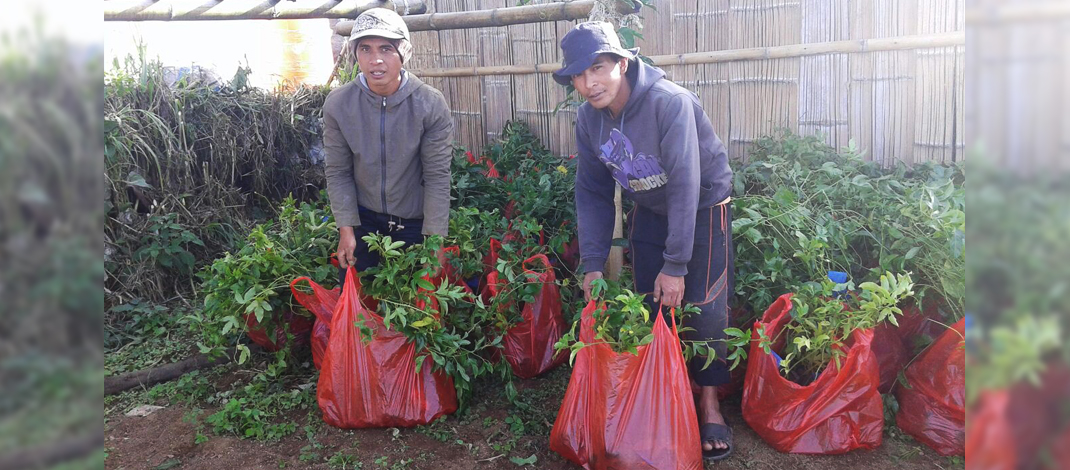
column 707, row 285
column 406, row 230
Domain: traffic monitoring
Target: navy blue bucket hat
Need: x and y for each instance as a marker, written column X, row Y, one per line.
column 584, row 44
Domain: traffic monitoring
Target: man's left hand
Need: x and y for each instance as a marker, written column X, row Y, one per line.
column 669, row 290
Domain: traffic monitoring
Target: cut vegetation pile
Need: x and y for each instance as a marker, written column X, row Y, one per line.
column 190, row 166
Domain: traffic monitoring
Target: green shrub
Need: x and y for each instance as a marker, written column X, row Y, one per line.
column 255, row 280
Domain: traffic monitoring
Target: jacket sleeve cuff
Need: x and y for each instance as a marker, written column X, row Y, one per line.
column 593, row 264
column 347, row 221
column 674, row 268
column 429, row 230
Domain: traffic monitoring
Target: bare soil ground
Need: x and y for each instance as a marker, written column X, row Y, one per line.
column 484, row 437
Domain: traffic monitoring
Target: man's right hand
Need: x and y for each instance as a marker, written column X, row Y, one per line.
column 347, row 244
column 587, row 278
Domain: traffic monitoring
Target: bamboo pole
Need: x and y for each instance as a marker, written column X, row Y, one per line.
column 615, row 262
column 189, row 10
column 1049, row 11
column 504, row 16
column 901, row 43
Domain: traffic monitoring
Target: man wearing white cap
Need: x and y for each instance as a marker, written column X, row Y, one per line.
column 388, row 140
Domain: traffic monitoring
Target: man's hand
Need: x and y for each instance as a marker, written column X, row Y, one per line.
column 347, row 244
column 587, row 278
column 669, row 290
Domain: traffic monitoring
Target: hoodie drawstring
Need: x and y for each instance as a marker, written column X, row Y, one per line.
column 602, row 125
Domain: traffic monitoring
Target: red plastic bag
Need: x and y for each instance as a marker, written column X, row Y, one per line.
column 933, row 409
column 490, row 261
column 1060, row 451
column 321, row 302
column 529, row 345
column 839, row 412
column 891, row 354
column 895, row 346
column 1034, row 414
column 300, row 326
column 920, row 323
column 570, row 254
column 490, row 171
column 990, row 442
column 375, row 384
column 1009, row 428
column 446, row 273
column 625, row 411
column 509, row 211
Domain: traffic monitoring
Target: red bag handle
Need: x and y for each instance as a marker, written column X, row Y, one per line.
column 672, row 315
column 495, row 245
column 534, row 258
column 587, row 321
column 440, row 255
column 775, row 317
column 774, row 313
column 306, row 299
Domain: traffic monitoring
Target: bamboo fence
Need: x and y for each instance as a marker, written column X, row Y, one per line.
column 887, row 75
column 1019, row 83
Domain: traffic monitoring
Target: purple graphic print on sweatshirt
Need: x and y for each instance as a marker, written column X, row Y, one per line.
column 635, row 173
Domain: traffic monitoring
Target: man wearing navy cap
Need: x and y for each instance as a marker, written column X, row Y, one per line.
column 651, row 137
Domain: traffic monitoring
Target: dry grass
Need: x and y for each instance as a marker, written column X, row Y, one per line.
column 209, row 159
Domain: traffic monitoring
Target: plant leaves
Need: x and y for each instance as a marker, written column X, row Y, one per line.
column 425, row 284
column 522, row 462
column 912, row 253
column 243, row 354
column 135, row 179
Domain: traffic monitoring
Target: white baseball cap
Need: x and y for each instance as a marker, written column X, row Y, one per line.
column 381, row 22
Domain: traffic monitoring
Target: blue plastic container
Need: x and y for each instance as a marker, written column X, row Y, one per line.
column 839, row 277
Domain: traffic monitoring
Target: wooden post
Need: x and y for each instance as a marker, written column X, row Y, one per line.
column 176, row 10
column 616, row 254
column 150, row 377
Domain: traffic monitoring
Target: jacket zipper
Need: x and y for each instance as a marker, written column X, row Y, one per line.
column 382, row 149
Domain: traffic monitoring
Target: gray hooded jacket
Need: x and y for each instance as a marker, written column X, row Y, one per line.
column 391, row 155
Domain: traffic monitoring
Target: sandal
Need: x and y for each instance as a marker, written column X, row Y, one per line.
column 716, row 432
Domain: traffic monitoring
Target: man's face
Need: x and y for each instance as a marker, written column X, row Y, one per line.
column 381, row 64
column 601, row 83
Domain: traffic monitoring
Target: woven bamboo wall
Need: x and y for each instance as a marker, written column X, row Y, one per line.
column 905, row 105
column 1019, row 87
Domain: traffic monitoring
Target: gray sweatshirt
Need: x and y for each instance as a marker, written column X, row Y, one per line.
column 391, row 155
column 665, row 155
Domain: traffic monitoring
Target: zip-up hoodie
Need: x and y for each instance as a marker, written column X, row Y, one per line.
column 662, row 150
column 391, row 155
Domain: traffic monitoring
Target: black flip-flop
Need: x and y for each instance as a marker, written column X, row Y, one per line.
column 710, row 432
